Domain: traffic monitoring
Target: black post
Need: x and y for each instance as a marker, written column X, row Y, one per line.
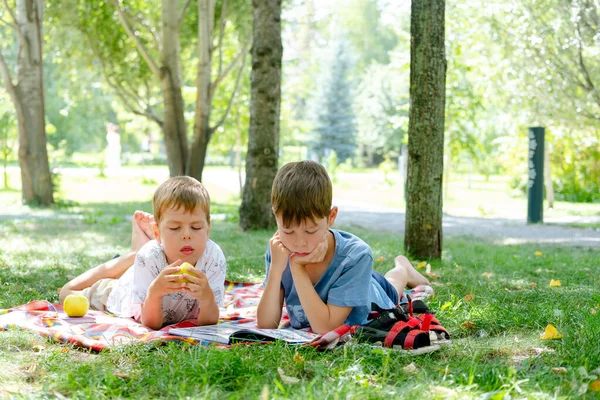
column 535, row 182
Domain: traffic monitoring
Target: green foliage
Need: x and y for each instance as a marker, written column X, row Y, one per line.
column 577, row 177
column 382, row 111
column 8, row 141
column 553, row 91
column 335, row 128
column 370, row 39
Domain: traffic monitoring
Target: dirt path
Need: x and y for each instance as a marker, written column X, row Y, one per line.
column 502, row 231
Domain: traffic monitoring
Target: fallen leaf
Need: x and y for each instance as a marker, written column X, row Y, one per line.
column 442, row 392
column 593, row 311
column 285, row 378
column 496, row 395
column 550, row 333
column 121, row 374
column 298, row 358
column 468, row 325
column 264, row 394
column 31, row 368
column 595, row 386
column 554, row 283
column 410, row 368
column 559, row 370
column 533, row 284
column 429, row 273
column 421, row 264
column 380, row 259
column 469, row 297
column 487, row 275
column 64, row 350
column 538, row 253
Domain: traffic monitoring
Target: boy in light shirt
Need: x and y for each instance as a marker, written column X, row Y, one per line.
column 149, row 292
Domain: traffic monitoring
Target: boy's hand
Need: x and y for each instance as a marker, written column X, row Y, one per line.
column 197, row 285
column 166, row 282
column 279, row 253
column 315, row 256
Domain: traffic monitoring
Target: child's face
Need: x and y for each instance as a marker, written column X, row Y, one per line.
column 183, row 235
column 304, row 237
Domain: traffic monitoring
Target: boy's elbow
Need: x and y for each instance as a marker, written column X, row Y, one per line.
column 266, row 323
column 152, row 325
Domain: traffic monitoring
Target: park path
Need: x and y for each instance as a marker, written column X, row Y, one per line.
column 500, row 231
column 356, row 213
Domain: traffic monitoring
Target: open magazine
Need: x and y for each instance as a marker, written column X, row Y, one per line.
column 236, row 333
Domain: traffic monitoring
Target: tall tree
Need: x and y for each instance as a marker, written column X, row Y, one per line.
column 203, row 130
column 335, row 127
column 27, row 95
column 151, row 42
column 168, row 71
column 423, row 233
column 263, row 135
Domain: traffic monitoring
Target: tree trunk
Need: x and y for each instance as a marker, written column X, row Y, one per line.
column 29, row 102
column 202, row 132
column 174, row 127
column 423, row 233
column 263, row 133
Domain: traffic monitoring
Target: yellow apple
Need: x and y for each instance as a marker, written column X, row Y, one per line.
column 184, row 270
column 76, row 305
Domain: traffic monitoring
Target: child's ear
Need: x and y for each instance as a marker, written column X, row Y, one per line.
column 155, row 231
column 332, row 215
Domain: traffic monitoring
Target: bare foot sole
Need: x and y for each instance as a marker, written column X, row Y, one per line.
column 414, row 278
column 141, row 232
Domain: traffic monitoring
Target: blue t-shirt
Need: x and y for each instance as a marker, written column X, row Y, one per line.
column 347, row 282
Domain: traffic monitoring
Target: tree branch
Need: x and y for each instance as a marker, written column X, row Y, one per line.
column 149, row 29
column 584, row 69
column 221, row 34
column 143, row 109
column 15, row 26
column 185, row 6
column 138, row 43
column 8, row 84
column 223, row 74
column 235, row 89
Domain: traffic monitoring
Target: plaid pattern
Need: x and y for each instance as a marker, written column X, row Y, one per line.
column 241, row 301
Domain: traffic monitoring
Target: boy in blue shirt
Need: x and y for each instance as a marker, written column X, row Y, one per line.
column 324, row 275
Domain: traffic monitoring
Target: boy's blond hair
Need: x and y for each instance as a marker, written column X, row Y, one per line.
column 180, row 191
column 301, row 190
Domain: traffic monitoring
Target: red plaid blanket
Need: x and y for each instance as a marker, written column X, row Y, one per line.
column 43, row 317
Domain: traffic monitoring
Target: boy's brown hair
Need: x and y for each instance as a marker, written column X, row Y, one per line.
column 301, row 190
column 180, row 191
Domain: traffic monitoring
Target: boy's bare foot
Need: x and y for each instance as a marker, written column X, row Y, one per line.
column 413, row 277
column 141, row 232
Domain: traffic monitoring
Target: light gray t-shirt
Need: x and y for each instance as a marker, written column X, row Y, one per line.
column 131, row 289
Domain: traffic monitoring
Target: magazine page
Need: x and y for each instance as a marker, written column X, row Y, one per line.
column 230, row 333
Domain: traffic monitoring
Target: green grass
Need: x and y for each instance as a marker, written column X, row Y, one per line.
column 498, row 353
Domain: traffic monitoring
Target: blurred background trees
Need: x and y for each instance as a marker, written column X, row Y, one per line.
column 511, row 64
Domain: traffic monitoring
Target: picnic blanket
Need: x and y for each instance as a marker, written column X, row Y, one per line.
column 108, row 331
